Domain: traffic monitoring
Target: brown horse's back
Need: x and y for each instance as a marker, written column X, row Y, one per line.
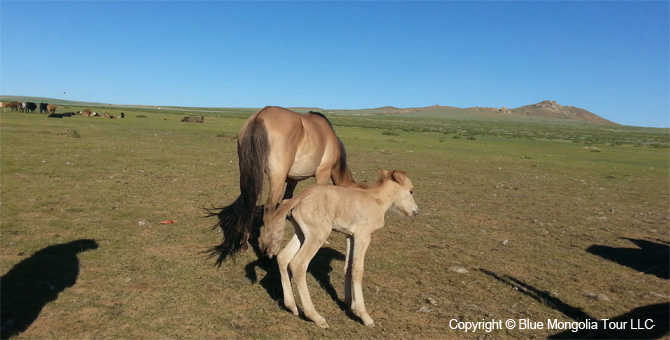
column 288, row 147
column 301, row 145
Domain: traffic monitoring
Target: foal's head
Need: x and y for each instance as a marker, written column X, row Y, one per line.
column 404, row 195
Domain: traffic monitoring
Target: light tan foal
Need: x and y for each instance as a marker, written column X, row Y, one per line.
column 356, row 212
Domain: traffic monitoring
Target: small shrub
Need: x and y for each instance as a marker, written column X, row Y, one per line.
column 390, row 133
column 72, row 133
column 227, row 135
column 659, row 146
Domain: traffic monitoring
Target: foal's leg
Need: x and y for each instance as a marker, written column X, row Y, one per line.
column 361, row 243
column 314, row 238
column 283, row 260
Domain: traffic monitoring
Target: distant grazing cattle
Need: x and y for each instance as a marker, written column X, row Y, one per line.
column 43, row 107
column 30, row 107
column 14, row 106
column 86, row 112
column 123, row 115
column 51, row 108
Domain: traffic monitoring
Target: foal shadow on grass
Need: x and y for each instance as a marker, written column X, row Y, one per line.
column 650, row 257
column 320, row 267
column 36, row 281
column 659, row 314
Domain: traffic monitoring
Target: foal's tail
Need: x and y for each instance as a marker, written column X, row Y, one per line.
column 236, row 220
column 270, row 241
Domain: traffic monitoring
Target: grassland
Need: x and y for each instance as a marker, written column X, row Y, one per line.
column 530, row 221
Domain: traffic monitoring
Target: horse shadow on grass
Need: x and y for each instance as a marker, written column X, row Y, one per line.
column 650, row 257
column 36, row 281
column 635, row 320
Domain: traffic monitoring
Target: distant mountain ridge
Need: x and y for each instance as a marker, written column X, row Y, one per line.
column 548, row 109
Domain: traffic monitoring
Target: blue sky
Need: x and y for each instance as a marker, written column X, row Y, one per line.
column 609, row 57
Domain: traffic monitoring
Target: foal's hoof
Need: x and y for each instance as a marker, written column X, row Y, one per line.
column 322, row 323
column 293, row 310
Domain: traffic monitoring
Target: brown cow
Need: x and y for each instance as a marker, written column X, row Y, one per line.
column 51, row 108
column 86, row 112
column 12, row 105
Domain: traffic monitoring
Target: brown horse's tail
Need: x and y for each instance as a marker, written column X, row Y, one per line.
column 273, row 235
column 237, row 220
column 342, row 173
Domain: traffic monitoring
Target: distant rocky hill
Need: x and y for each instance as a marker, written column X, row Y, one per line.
column 551, row 109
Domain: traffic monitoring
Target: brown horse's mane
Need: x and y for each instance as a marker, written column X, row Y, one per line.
column 344, row 168
column 322, row 116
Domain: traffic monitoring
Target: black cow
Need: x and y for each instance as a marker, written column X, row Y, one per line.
column 30, row 107
column 43, row 107
column 55, row 115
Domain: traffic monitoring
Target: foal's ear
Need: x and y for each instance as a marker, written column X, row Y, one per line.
column 383, row 173
column 399, row 176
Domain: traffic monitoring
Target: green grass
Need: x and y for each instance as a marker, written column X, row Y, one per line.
column 524, row 202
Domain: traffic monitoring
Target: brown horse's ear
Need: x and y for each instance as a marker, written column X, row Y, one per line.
column 399, row 177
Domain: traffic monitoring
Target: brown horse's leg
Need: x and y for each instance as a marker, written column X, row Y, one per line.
column 322, row 175
column 290, row 188
column 272, row 247
column 347, row 271
column 275, row 193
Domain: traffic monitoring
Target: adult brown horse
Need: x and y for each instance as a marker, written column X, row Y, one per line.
column 289, row 147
